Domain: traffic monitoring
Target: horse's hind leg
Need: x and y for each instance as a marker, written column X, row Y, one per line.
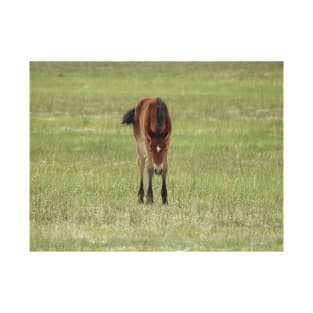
column 141, row 166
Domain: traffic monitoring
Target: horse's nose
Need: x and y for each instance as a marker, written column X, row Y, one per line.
column 158, row 171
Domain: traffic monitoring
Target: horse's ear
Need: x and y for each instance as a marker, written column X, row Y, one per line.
column 150, row 132
column 165, row 132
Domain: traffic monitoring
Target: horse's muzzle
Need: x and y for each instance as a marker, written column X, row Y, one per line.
column 158, row 171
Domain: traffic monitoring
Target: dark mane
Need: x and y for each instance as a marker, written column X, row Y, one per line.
column 159, row 116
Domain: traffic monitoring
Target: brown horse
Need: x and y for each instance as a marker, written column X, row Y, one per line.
column 152, row 130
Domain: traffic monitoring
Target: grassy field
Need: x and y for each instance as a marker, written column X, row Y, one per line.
column 225, row 180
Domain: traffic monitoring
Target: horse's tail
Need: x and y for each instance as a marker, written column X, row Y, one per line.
column 129, row 117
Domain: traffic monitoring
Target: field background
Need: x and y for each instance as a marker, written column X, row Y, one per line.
column 225, row 180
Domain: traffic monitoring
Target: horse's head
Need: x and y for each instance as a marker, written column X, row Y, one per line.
column 158, row 146
column 158, row 128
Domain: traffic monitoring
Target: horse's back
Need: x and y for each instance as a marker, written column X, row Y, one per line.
column 146, row 116
column 143, row 106
column 142, row 111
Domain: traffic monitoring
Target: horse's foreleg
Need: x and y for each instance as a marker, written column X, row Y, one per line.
column 150, row 169
column 141, row 166
column 164, row 190
column 141, row 190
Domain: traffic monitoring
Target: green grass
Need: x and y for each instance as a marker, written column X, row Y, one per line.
column 225, row 181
